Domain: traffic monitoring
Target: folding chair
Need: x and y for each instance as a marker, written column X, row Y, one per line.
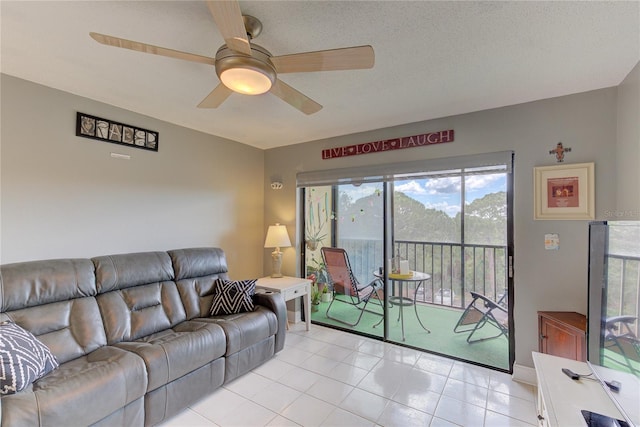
column 346, row 287
column 619, row 337
column 480, row 312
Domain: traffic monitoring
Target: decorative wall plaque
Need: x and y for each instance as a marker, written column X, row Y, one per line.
column 389, row 144
column 93, row 127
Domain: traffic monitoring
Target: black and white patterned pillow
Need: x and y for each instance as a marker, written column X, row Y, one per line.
column 231, row 297
column 23, row 358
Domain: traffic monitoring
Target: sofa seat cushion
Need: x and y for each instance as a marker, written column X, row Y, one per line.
column 175, row 352
column 243, row 330
column 85, row 390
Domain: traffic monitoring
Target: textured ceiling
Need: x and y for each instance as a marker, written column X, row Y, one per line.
column 433, row 59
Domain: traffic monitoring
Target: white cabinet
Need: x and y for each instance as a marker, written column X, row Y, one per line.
column 561, row 399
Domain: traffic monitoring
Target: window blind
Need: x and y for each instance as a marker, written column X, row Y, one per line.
column 501, row 161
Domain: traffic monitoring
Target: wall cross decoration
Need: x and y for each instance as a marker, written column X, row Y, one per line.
column 559, row 152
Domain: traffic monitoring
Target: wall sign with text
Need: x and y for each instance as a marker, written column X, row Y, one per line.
column 106, row 130
column 389, row 144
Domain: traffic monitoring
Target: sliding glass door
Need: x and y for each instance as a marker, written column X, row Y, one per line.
column 437, row 242
column 453, row 228
column 348, row 217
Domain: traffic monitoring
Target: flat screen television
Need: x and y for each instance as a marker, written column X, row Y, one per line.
column 613, row 332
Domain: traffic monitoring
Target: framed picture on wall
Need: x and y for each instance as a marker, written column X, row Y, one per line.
column 106, row 130
column 564, row 192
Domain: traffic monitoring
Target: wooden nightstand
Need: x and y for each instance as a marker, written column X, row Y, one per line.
column 290, row 288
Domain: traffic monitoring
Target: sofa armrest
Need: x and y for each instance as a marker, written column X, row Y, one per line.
column 274, row 302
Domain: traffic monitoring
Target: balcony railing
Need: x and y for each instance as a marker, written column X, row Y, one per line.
column 623, row 287
column 484, row 269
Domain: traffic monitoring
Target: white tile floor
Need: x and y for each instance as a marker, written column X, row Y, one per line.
column 330, row 378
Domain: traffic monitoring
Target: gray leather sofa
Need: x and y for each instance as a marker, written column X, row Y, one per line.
column 132, row 334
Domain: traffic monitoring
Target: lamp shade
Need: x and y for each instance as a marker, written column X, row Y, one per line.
column 277, row 237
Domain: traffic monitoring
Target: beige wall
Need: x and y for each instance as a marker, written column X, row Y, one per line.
column 628, row 148
column 64, row 196
column 544, row 280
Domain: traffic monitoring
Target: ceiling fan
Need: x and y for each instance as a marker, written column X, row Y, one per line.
column 247, row 68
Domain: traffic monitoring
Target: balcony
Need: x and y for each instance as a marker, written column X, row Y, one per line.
column 441, row 300
column 484, row 269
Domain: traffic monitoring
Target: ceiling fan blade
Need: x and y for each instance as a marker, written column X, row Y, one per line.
column 294, row 98
column 148, row 48
column 228, row 17
column 216, row 97
column 349, row 58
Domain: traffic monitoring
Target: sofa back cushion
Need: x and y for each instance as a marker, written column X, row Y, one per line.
column 123, row 271
column 32, row 283
column 137, row 295
column 197, row 270
column 54, row 300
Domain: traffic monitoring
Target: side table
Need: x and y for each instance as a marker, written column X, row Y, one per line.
column 401, row 301
column 290, row 288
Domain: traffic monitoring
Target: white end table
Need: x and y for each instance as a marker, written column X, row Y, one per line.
column 290, row 288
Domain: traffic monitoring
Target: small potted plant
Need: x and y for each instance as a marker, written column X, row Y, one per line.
column 317, row 269
column 314, row 238
column 326, row 294
column 316, row 296
column 315, row 232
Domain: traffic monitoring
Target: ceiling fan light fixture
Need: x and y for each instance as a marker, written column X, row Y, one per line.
column 247, row 81
column 249, row 75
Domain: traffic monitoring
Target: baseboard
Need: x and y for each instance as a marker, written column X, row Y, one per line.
column 524, row 374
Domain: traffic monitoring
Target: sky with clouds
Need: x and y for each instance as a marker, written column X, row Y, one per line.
column 438, row 193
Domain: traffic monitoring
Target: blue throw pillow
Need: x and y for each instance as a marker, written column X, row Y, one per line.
column 231, row 297
column 23, row 358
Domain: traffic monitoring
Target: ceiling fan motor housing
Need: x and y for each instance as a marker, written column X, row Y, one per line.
column 259, row 62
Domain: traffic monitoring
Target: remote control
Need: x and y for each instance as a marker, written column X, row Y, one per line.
column 570, row 374
column 613, row 385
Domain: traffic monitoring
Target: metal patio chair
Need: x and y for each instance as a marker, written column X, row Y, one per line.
column 619, row 337
column 346, row 287
column 480, row 312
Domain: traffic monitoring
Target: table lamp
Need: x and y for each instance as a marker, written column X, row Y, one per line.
column 277, row 237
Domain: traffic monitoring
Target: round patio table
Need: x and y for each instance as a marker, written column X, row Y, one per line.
column 417, row 277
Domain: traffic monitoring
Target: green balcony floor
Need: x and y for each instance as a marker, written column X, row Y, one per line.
column 439, row 320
